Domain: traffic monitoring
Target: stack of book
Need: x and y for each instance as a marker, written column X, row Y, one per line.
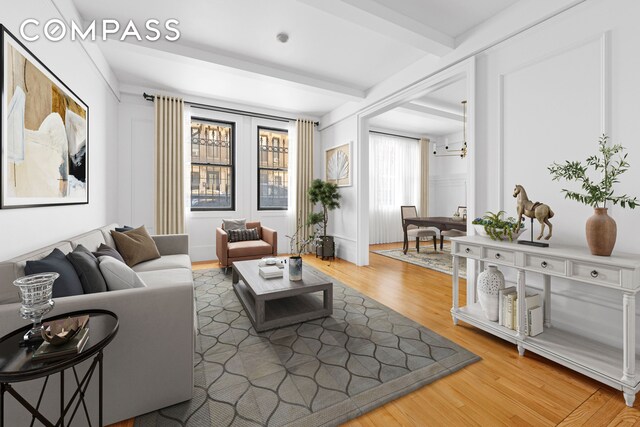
column 270, row 272
column 55, row 350
column 508, row 311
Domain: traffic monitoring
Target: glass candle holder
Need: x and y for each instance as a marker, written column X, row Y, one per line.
column 35, row 291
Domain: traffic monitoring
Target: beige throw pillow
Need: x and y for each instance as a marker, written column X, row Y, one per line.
column 135, row 246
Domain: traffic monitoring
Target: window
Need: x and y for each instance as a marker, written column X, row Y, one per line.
column 212, row 166
column 273, row 165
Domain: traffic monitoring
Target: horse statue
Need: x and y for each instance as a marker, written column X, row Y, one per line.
column 536, row 210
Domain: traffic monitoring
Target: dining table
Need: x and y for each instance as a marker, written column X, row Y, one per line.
column 442, row 223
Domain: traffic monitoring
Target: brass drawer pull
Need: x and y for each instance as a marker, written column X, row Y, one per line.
column 544, row 264
column 498, row 256
column 467, row 250
column 595, row 274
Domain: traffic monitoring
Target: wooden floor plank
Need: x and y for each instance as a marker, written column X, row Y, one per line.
column 501, row 389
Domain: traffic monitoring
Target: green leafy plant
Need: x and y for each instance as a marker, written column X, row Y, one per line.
column 610, row 164
column 497, row 227
column 327, row 195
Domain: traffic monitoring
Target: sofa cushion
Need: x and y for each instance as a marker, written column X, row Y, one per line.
column 249, row 248
column 118, row 275
column 166, row 277
column 135, row 246
column 91, row 240
column 243, row 235
column 105, row 250
column 86, row 265
column 166, row 262
column 106, row 233
column 234, row 224
column 68, row 284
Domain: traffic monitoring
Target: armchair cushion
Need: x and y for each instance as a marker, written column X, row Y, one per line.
column 249, row 248
column 234, row 224
column 242, row 235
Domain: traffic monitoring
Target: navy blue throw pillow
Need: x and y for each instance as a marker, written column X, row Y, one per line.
column 68, row 283
column 123, row 229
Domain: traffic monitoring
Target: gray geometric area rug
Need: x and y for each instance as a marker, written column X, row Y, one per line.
column 439, row 261
column 318, row 373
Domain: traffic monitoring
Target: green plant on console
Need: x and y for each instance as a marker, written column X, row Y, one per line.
column 596, row 194
column 496, row 226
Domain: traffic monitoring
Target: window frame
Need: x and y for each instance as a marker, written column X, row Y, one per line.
column 258, row 168
column 231, row 165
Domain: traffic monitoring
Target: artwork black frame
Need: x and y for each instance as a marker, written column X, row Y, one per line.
column 7, row 37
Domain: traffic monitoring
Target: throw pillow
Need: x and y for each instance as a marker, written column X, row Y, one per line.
column 118, row 275
column 135, row 246
column 242, row 235
column 68, row 283
column 106, row 250
column 234, row 224
column 123, row 229
column 86, row 266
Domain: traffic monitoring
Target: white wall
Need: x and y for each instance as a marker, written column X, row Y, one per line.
column 22, row 230
column 341, row 221
column 136, row 189
column 447, row 178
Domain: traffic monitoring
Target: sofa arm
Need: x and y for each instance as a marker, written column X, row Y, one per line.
column 222, row 242
column 271, row 237
column 172, row 244
column 154, row 347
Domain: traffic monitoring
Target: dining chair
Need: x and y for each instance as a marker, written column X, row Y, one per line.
column 462, row 214
column 415, row 232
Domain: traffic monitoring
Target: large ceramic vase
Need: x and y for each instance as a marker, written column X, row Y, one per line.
column 295, row 268
column 490, row 282
column 601, row 232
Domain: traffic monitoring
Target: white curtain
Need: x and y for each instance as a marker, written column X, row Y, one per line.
column 394, row 181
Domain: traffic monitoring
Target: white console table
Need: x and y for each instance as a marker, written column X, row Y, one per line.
column 614, row 366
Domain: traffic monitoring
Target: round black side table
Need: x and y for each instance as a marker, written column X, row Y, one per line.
column 17, row 365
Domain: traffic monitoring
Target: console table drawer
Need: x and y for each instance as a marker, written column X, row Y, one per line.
column 545, row 264
column 597, row 273
column 468, row 251
column 497, row 255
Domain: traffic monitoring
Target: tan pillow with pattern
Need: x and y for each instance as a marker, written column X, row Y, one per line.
column 135, row 246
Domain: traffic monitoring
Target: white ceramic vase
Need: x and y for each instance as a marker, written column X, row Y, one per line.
column 490, row 282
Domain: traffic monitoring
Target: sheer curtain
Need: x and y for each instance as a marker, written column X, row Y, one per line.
column 394, row 180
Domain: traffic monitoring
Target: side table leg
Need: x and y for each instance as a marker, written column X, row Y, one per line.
column 62, row 398
column 2, row 390
column 547, row 300
column 100, row 396
column 455, row 287
column 522, row 315
column 629, row 337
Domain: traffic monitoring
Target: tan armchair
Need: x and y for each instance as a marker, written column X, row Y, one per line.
column 251, row 249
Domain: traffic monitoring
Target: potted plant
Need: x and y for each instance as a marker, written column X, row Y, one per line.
column 610, row 163
column 297, row 245
column 327, row 195
column 495, row 226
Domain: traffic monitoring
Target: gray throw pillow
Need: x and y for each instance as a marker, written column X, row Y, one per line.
column 105, row 250
column 119, row 275
column 243, row 235
column 68, row 283
column 86, row 265
column 234, row 224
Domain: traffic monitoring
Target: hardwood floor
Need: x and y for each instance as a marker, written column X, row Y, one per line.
column 501, row 389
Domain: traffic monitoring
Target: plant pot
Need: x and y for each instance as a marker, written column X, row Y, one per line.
column 490, row 282
column 326, row 247
column 601, row 232
column 295, row 268
column 481, row 231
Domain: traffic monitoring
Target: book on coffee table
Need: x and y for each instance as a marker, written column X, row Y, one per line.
column 270, row 272
column 48, row 351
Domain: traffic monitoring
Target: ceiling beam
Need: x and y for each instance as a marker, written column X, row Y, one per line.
column 190, row 55
column 381, row 19
column 429, row 111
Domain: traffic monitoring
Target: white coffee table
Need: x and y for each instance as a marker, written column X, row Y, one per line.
column 273, row 303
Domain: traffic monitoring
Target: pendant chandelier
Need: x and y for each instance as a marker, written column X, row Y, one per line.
column 462, row 153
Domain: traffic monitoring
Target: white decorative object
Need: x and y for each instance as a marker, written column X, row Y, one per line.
column 338, row 165
column 490, row 282
column 608, row 364
column 514, row 235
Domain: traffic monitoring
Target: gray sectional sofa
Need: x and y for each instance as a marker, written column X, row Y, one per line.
column 149, row 364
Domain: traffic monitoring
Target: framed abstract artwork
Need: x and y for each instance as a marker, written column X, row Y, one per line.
column 338, row 165
column 44, row 133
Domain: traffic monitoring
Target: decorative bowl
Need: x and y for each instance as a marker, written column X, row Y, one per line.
column 61, row 331
column 481, row 231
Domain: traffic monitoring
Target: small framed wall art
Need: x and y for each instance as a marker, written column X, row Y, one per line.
column 338, row 165
column 44, row 133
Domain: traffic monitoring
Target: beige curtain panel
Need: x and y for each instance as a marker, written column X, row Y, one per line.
column 424, row 177
column 169, row 165
column 304, row 162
